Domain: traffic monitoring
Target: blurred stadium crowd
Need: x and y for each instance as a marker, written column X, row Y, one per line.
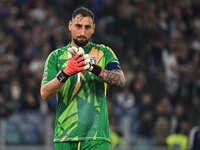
column 156, row 41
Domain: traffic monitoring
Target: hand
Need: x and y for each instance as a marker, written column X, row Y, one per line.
column 95, row 69
column 76, row 64
column 72, row 51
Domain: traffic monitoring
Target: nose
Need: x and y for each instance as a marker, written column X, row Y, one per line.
column 82, row 32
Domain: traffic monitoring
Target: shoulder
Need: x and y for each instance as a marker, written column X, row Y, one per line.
column 105, row 49
column 59, row 51
column 101, row 47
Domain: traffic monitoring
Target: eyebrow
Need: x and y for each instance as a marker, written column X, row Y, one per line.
column 87, row 25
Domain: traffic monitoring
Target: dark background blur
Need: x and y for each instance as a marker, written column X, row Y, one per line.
column 156, row 41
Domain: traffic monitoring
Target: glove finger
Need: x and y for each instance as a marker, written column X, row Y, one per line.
column 87, row 66
column 86, row 56
column 81, row 68
column 75, row 49
column 78, row 60
column 69, row 55
column 91, row 67
column 87, row 60
column 84, row 62
column 81, row 63
column 76, row 56
column 70, row 50
column 80, row 51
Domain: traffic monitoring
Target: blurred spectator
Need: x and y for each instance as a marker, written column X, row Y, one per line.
column 125, row 107
column 29, row 102
column 196, row 42
column 178, row 140
column 192, row 71
column 177, row 25
column 15, row 90
column 162, row 108
column 116, row 137
column 161, row 130
column 36, row 64
column 195, row 6
column 169, row 58
column 138, row 86
column 4, row 80
column 162, row 21
column 5, row 111
column 178, row 116
column 194, row 138
column 39, row 12
column 146, row 116
column 146, row 104
column 109, row 8
column 107, row 32
column 146, row 124
column 162, row 122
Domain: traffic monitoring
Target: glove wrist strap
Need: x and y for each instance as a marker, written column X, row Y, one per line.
column 97, row 70
column 62, row 77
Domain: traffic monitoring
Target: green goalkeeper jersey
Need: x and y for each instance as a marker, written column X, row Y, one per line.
column 81, row 111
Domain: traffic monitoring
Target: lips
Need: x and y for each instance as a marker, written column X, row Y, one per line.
column 81, row 38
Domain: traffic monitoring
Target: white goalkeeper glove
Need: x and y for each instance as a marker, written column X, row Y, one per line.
column 72, row 51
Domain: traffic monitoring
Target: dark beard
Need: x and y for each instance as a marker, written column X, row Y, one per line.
column 80, row 44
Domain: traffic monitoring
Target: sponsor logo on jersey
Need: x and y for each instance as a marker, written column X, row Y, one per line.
column 93, row 59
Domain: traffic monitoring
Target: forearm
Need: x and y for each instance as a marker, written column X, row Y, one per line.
column 76, row 64
column 49, row 89
column 113, row 77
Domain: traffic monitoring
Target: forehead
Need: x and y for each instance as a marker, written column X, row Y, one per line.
column 79, row 19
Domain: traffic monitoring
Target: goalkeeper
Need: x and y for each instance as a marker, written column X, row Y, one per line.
column 78, row 74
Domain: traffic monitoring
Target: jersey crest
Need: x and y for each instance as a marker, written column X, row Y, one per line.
column 93, row 59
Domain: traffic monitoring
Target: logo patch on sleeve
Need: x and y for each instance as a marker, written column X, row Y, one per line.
column 93, row 59
column 44, row 76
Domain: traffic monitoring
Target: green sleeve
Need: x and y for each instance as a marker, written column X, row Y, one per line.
column 110, row 56
column 50, row 68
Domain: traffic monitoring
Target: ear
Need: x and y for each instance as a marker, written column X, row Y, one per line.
column 70, row 25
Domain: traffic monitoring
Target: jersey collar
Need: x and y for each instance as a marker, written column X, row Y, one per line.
column 87, row 48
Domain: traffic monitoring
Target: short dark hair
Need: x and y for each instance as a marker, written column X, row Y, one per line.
column 83, row 11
